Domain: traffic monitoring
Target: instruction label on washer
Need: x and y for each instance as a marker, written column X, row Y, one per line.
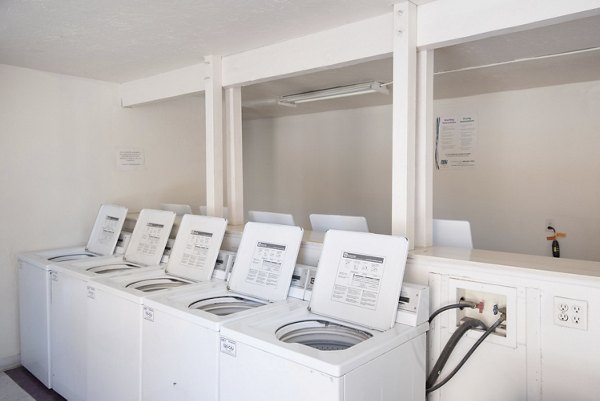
column 150, row 239
column 265, row 268
column 196, row 249
column 358, row 280
column 227, row 346
column 148, row 313
column 109, row 229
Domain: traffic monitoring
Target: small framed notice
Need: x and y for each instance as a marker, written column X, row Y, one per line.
column 130, row 159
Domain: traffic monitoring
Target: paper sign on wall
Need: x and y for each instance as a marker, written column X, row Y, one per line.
column 455, row 142
column 130, row 159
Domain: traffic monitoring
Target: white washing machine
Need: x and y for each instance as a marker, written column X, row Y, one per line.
column 180, row 331
column 115, row 312
column 343, row 345
column 70, row 290
column 34, row 288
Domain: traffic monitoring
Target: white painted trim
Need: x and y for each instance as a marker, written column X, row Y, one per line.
column 447, row 22
column 183, row 81
column 424, row 150
column 234, row 157
column 533, row 328
column 359, row 41
column 214, row 137
column 403, row 131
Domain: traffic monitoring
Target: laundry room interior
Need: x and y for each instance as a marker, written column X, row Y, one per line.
column 346, row 109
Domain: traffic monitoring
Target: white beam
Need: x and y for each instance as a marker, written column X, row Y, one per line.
column 235, row 161
column 424, row 150
column 440, row 23
column 363, row 40
column 214, row 137
column 183, row 81
column 447, row 22
column 404, row 108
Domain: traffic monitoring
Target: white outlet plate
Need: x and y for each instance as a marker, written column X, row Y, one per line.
column 570, row 313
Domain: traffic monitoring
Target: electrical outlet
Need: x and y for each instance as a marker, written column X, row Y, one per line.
column 570, row 313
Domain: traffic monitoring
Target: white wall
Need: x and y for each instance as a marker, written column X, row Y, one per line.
column 59, row 136
column 336, row 162
column 544, row 360
column 537, row 159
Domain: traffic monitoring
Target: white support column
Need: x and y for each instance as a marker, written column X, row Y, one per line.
column 214, row 137
column 424, row 150
column 404, row 108
column 235, row 161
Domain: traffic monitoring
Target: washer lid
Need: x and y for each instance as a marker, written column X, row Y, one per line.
column 196, row 247
column 265, row 260
column 149, row 237
column 359, row 278
column 106, row 230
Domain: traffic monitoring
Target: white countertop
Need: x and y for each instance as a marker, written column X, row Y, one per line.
column 514, row 260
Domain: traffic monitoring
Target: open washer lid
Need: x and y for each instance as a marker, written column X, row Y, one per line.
column 359, row 278
column 149, row 237
column 196, row 247
column 106, row 230
column 265, row 260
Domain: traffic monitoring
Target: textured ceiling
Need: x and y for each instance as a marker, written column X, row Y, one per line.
column 122, row 40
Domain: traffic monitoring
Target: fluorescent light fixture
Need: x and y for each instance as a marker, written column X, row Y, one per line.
column 334, row 93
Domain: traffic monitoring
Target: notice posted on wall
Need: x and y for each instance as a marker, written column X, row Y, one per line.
column 130, row 159
column 455, row 142
column 267, row 261
column 358, row 280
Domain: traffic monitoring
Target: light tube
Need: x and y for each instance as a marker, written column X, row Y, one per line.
column 334, row 93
